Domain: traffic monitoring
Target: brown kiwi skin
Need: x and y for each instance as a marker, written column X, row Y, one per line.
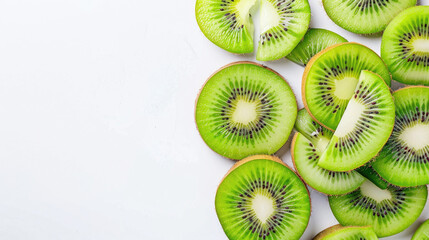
column 307, row 69
column 220, row 69
column 334, row 228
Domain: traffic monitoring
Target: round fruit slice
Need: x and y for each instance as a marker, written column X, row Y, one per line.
column 245, row 109
column 227, row 23
column 307, row 146
column 331, row 77
column 388, row 211
column 283, row 23
column 405, row 46
column 404, row 160
column 261, row 198
column 365, row 127
column 314, row 41
column 339, row 232
column 364, row 16
column 422, row 232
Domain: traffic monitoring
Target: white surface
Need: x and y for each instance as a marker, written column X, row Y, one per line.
column 97, row 136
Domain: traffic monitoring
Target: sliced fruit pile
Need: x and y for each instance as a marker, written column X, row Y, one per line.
column 358, row 142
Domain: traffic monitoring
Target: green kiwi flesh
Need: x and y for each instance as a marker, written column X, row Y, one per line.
column 283, row 24
column 307, row 146
column 405, row 46
column 245, row 109
column 364, row 16
column 314, row 41
column 339, row 232
column 364, row 128
column 388, row 211
column 422, row 233
column 262, row 198
column 331, row 76
column 369, row 173
column 404, row 160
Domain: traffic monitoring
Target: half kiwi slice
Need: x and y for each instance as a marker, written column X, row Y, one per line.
column 364, row 128
column 330, row 79
column 405, row 46
column 262, row 198
column 388, row 211
column 422, row 232
column 339, row 232
column 245, row 109
column 307, row 146
column 404, row 160
column 364, row 16
column 314, row 41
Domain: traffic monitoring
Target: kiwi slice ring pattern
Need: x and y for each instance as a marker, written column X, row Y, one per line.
column 245, row 109
column 261, row 198
column 339, row 232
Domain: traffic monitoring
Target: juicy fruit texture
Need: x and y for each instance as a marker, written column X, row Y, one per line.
column 422, row 232
column 331, row 77
column 365, row 16
column 369, row 173
column 365, row 127
column 404, row 160
column 245, row 109
column 261, row 198
column 314, row 41
column 307, row 146
column 339, row 232
column 388, row 211
column 227, row 23
column 283, row 23
column 405, row 46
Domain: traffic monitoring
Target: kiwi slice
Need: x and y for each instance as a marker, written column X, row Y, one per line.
column 314, row 41
column 364, row 16
column 307, row 146
column 369, row 173
column 245, row 109
column 331, row 77
column 405, row 46
column 404, row 160
column 422, row 232
column 262, row 198
column 339, row 232
column 365, row 127
column 388, row 211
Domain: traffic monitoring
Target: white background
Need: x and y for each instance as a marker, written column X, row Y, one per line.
column 97, row 136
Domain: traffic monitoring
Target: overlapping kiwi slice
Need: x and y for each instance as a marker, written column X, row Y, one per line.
column 227, row 23
column 245, row 109
column 364, row 128
column 339, row 232
column 330, row 79
column 314, row 41
column 422, row 233
column 307, row 146
column 405, row 46
column 388, row 211
column 364, row 16
column 404, row 160
column 261, row 198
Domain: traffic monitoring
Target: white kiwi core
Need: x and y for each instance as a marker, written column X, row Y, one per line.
column 370, row 190
column 245, row 112
column 244, row 9
column 416, row 137
column 263, row 206
column 322, row 143
column 345, row 87
column 350, row 119
column 269, row 16
column 421, row 45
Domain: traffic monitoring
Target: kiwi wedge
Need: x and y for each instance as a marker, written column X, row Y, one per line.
column 364, row 16
column 405, row 46
column 364, row 128
column 339, row 232
column 388, row 211
column 314, row 41
column 245, row 109
column 307, row 146
column 369, row 173
column 262, row 198
column 404, row 160
column 422, row 233
column 330, row 79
